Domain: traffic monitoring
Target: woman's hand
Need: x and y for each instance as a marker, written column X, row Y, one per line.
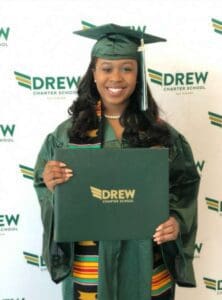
column 55, row 172
column 167, row 231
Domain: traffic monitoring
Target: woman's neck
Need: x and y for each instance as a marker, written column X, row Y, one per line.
column 114, row 110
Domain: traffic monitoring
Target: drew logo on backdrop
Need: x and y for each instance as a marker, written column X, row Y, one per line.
column 8, row 223
column 27, row 172
column 180, row 82
column 200, row 165
column 215, row 119
column 217, row 25
column 57, row 87
column 35, row 260
column 113, row 195
column 87, row 25
column 7, row 132
column 197, row 250
column 212, row 284
column 4, row 33
column 214, row 205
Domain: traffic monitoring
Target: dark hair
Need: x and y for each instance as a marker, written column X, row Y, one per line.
column 141, row 129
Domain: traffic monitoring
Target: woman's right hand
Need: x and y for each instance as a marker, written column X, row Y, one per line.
column 55, row 172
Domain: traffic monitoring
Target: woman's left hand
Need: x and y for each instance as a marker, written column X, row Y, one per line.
column 167, row 231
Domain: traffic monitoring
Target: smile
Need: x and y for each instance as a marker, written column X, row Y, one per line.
column 115, row 91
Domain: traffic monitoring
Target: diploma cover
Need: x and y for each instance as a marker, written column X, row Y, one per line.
column 115, row 194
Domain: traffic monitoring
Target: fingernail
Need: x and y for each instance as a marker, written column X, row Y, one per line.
column 68, row 176
column 62, row 164
column 68, row 170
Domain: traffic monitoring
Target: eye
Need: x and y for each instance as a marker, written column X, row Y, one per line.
column 106, row 69
column 127, row 69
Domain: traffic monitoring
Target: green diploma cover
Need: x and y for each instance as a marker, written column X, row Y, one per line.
column 115, row 194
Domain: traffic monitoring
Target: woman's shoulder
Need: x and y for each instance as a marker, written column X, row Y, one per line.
column 180, row 147
column 62, row 128
column 175, row 135
column 60, row 133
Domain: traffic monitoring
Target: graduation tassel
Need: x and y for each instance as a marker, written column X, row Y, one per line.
column 144, row 94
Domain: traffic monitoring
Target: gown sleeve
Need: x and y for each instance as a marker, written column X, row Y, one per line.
column 184, row 184
column 57, row 256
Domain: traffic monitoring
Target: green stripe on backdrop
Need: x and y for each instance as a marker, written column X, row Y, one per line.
column 24, row 85
column 26, row 168
column 217, row 124
column 216, row 21
column 155, row 81
column 155, row 72
column 87, row 24
column 22, row 75
column 214, row 115
column 218, row 31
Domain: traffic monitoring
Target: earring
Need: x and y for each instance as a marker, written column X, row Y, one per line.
column 94, row 80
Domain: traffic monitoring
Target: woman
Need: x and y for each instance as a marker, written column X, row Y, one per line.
column 108, row 112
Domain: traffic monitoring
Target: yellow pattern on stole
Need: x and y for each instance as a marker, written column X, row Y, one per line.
column 87, row 243
column 87, row 296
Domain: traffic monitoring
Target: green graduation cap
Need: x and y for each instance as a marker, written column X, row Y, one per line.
column 121, row 42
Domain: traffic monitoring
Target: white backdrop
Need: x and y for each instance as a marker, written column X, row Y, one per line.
column 41, row 62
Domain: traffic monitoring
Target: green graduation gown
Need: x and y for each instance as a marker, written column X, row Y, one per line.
column 177, row 255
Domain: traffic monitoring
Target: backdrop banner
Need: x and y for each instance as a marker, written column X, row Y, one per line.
column 42, row 62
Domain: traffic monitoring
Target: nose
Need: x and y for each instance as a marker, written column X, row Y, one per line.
column 116, row 75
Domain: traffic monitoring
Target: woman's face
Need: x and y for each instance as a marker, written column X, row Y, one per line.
column 115, row 81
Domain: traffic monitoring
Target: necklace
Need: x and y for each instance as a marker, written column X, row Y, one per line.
column 112, row 117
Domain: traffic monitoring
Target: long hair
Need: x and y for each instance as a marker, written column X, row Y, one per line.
column 141, row 129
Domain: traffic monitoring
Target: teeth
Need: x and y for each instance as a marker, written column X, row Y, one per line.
column 115, row 90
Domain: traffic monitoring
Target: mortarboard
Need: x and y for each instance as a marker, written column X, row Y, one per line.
column 121, row 42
